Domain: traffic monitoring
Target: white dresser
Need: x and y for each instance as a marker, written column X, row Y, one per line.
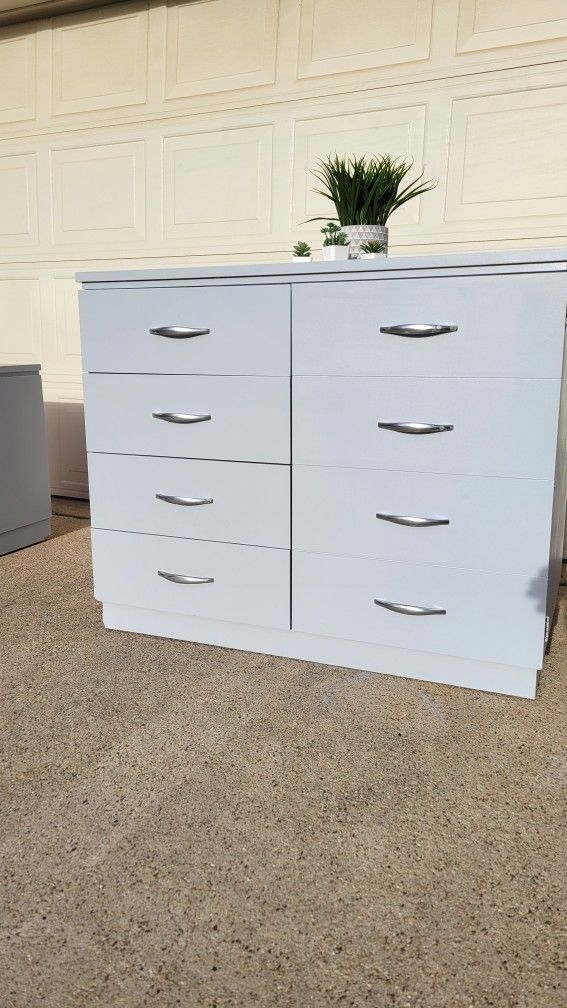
column 25, row 501
column 353, row 463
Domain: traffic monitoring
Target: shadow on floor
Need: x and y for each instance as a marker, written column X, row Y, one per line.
column 70, row 507
column 61, row 525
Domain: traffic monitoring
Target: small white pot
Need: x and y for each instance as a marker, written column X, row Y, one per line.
column 301, row 259
column 333, row 252
column 372, row 255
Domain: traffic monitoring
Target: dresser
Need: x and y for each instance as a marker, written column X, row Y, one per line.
column 357, row 463
column 25, row 501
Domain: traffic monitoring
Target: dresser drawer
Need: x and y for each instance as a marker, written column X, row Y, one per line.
column 496, row 618
column 242, row 584
column 476, row 523
column 503, row 326
column 234, row 502
column 249, row 417
column 228, row 330
column 500, row 427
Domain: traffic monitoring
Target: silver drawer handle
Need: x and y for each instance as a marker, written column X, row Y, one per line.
column 178, row 332
column 418, row 329
column 182, row 417
column 184, row 501
column 409, row 610
column 185, row 578
column 413, row 522
column 415, row 428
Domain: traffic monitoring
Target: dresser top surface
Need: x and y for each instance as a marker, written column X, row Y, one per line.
column 519, row 258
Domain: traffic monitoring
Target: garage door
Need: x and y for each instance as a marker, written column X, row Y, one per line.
column 140, row 135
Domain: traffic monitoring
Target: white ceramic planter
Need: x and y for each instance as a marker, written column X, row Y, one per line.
column 301, row 259
column 334, row 252
column 360, row 233
column 372, row 255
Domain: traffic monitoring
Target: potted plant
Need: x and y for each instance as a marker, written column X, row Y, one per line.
column 301, row 252
column 372, row 250
column 366, row 191
column 335, row 242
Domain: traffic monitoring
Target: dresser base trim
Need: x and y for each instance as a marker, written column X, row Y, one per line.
column 27, row 535
column 444, row 669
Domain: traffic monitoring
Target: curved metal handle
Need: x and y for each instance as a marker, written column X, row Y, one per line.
column 178, row 332
column 415, row 428
column 413, row 522
column 409, row 610
column 182, row 417
column 185, row 579
column 184, row 501
column 418, row 329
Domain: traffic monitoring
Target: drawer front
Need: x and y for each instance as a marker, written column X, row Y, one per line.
column 235, row 502
column 505, row 326
column 249, row 417
column 501, row 427
column 249, row 330
column 249, row 584
column 490, row 617
column 470, row 522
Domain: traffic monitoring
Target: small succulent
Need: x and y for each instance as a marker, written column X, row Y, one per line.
column 372, row 247
column 333, row 235
column 301, row 250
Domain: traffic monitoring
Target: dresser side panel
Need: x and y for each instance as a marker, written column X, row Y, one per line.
column 558, row 541
column 24, row 498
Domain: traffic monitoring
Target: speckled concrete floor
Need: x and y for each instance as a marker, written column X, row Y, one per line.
column 198, row 827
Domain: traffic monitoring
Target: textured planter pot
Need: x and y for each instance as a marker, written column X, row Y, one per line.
column 357, row 234
column 372, row 255
column 301, row 259
column 333, row 252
